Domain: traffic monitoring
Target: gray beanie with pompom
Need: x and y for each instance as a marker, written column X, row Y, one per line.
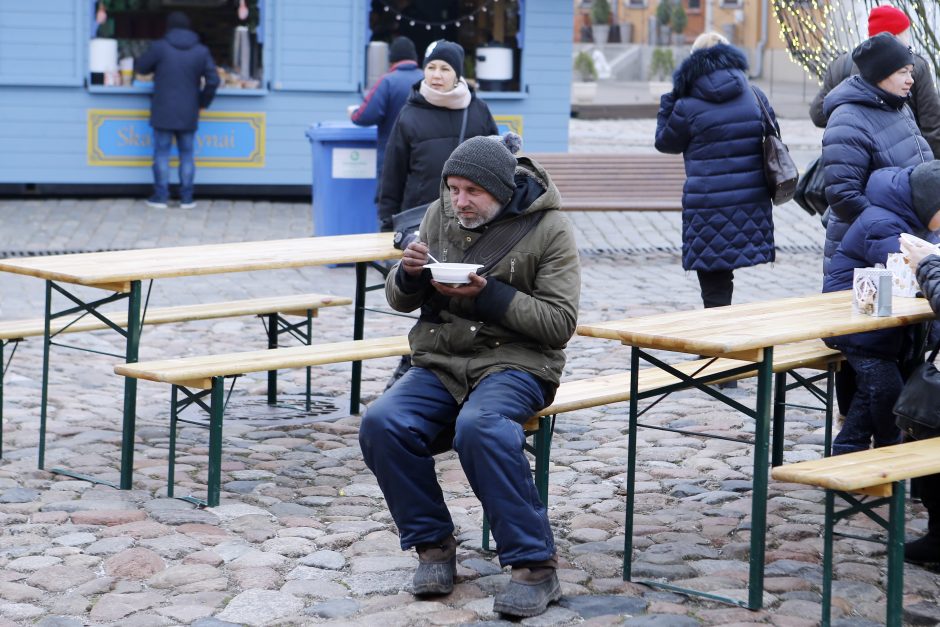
column 488, row 161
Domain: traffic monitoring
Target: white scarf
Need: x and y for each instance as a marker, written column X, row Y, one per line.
column 457, row 98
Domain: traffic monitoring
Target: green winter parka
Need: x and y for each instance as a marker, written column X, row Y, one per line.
column 528, row 310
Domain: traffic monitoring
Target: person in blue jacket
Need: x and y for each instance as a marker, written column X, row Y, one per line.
column 870, row 126
column 712, row 117
column 901, row 200
column 184, row 81
column 385, row 100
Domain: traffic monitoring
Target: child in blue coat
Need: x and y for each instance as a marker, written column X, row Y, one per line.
column 903, row 200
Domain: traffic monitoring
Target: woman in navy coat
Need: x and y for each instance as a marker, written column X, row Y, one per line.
column 712, row 117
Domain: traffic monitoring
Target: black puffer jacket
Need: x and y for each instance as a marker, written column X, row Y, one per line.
column 928, row 276
column 420, row 143
column 864, row 133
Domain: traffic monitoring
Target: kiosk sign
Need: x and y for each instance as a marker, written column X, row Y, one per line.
column 224, row 139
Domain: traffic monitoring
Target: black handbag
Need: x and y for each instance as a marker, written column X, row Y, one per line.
column 779, row 170
column 811, row 189
column 918, row 407
column 405, row 225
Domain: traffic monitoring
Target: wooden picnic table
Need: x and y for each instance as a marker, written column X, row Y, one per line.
column 121, row 272
column 747, row 332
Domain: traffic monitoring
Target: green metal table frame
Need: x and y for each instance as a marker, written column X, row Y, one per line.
column 762, row 415
column 276, row 325
column 895, row 545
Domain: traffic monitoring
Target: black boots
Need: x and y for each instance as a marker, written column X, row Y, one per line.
column 437, row 568
column 530, row 590
column 925, row 550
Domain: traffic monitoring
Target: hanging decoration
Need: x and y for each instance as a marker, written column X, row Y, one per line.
column 442, row 24
column 817, row 31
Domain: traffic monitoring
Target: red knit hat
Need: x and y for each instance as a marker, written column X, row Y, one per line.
column 887, row 19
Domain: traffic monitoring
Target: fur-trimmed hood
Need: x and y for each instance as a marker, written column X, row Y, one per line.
column 718, row 73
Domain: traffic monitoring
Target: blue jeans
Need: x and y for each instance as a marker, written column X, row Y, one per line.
column 162, row 143
column 871, row 414
column 397, row 436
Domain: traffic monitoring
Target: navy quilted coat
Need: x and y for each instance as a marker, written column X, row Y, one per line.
column 712, row 117
column 868, row 241
column 864, row 133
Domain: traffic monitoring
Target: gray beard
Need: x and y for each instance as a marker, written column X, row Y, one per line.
column 474, row 224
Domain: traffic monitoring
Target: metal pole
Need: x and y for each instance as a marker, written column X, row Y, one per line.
column 780, row 408
column 272, row 343
column 44, row 397
column 765, row 375
column 895, row 555
column 309, row 369
column 359, row 317
column 215, row 441
column 631, row 463
column 827, row 558
column 130, row 387
column 171, row 465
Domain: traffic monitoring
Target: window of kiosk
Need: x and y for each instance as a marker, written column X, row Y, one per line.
column 490, row 32
column 233, row 30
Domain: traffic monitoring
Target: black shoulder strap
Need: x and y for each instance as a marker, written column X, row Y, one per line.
column 499, row 239
column 463, row 125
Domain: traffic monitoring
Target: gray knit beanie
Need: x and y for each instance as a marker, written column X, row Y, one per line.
column 925, row 190
column 488, row 161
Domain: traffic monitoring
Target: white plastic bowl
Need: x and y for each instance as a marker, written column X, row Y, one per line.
column 455, row 273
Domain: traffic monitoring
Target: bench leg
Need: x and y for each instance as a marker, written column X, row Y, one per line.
column 894, row 548
column 130, row 387
column 309, row 369
column 359, row 319
column 217, row 407
column 827, row 558
column 631, row 463
column 895, row 556
column 44, row 394
column 171, row 463
column 780, row 408
column 272, row 343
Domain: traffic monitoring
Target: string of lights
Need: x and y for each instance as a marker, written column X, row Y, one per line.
column 817, row 31
column 442, row 24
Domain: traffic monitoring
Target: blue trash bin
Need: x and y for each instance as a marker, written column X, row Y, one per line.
column 343, row 178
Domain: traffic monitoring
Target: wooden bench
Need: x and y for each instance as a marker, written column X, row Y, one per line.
column 878, row 474
column 274, row 308
column 615, row 181
column 206, row 373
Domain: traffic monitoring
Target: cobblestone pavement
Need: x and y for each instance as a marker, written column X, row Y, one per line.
column 303, row 535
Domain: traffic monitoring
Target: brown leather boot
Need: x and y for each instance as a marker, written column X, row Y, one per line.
column 437, row 568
